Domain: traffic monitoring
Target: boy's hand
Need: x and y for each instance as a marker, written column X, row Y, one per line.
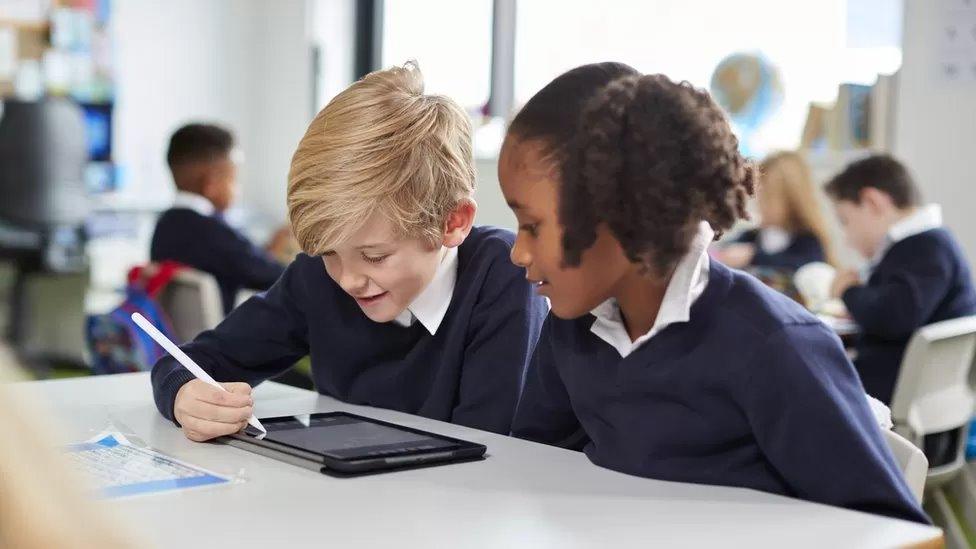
column 842, row 281
column 738, row 255
column 206, row 412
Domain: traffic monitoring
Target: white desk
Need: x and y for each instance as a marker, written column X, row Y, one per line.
column 523, row 495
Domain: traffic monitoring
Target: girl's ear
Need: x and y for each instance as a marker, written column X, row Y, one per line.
column 459, row 221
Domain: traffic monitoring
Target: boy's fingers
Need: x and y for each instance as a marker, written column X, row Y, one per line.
column 192, row 428
column 221, row 414
column 194, row 436
column 217, row 397
column 237, row 387
column 206, row 430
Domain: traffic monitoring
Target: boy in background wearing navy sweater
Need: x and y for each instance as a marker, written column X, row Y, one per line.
column 400, row 301
column 657, row 361
column 917, row 273
column 194, row 233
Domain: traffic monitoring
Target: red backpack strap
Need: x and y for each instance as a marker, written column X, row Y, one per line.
column 154, row 277
column 167, row 270
column 135, row 275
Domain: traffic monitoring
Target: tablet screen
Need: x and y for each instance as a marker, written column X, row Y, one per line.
column 346, row 437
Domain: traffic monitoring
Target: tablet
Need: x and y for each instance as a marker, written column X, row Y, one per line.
column 339, row 442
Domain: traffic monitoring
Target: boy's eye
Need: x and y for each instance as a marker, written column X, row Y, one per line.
column 374, row 259
column 531, row 228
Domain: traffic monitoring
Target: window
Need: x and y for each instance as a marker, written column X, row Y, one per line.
column 685, row 39
column 450, row 39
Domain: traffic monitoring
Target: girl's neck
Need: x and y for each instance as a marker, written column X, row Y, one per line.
column 639, row 297
column 788, row 228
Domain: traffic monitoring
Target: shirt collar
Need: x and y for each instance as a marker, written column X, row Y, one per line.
column 195, row 202
column 687, row 284
column 922, row 219
column 773, row 240
column 431, row 305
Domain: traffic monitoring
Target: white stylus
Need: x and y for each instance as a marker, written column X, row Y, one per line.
column 186, row 361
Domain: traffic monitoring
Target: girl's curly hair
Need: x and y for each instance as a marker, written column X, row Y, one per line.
column 646, row 156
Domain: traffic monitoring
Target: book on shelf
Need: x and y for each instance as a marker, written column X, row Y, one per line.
column 882, row 112
column 861, row 118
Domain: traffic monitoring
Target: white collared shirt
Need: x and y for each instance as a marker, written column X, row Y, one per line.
column 923, row 219
column 195, row 202
column 431, row 305
column 773, row 240
column 687, row 284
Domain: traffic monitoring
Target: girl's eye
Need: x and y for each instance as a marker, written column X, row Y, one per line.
column 329, row 254
column 530, row 228
column 376, row 259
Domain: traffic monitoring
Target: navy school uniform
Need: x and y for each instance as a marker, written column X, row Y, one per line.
column 920, row 280
column 752, row 392
column 803, row 248
column 468, row 372
column 207, row 243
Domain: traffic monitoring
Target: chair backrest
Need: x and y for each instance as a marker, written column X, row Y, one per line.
column 192, row 303
column 243, row 295
column 911, row 460
column 935, row 388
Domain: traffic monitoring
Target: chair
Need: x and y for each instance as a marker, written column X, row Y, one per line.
column 911, row 460
column 243, row 295
column 933, row 405
column 192, row 302
column 49, row 329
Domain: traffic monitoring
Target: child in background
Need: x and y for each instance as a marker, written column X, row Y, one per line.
column 793, row 230
column 400, row 301
column 194, row 233
column 917, row 272
column 655, row 360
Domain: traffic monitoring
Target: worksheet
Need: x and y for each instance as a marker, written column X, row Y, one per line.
column 119, row 469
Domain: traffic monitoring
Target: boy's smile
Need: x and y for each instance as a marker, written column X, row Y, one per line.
column 369, row 301
column 383, row 272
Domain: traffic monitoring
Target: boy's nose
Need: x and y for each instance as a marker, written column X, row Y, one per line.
column 520, row 255
column 353, row 283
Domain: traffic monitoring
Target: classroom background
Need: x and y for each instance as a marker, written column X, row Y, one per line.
column 91, row 90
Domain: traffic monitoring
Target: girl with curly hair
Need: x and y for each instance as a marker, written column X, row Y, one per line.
column 655, row 360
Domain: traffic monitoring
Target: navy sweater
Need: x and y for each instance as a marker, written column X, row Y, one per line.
column 803, row 249
column 469, row 373
column 920, row 280
column 210, row 245
column 752, row 392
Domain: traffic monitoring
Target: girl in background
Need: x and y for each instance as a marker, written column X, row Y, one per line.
column 793, row 228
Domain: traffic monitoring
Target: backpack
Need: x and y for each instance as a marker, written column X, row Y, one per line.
column 116, row 344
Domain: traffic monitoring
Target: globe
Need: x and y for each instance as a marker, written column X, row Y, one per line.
column 749, row 88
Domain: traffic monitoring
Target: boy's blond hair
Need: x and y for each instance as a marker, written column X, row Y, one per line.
column 380, row 145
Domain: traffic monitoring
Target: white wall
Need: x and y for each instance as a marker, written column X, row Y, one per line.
column 333, row 32
column 243, row 63
column 936, row 122
column 280, row 103
column 492, row 209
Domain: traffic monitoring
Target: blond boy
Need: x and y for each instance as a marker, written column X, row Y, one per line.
column 401, row 302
